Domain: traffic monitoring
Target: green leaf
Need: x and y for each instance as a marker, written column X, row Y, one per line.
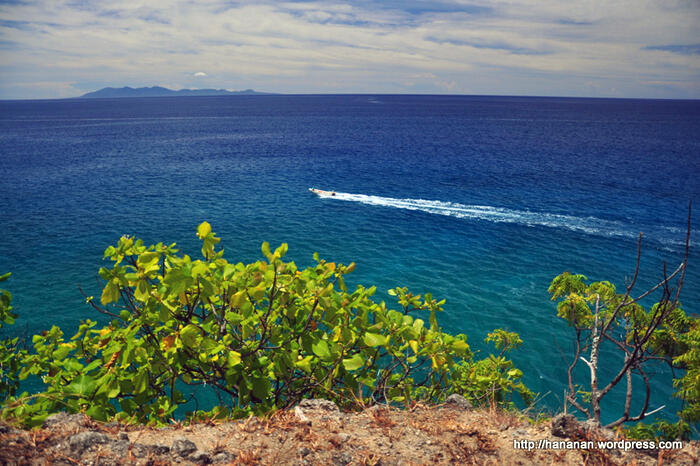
column 229, row 270
column 239, row 298
column 143, row 291
column 281, row 250
column 199, row 268
column 374, row 339
column 8, row 318
column 460, row 345
column 83, row 385
column 320, row 349
column 97, row 412
column 113, row 388
column 353, row 363
column 176, row 281
column 140, row 382
column 515, row 373
column 233, row 358
column 261, row 388
column 258, row 292
column 265, row 248
column 203, row 230
column 189, row 335
column 433, row 321
column 110, row 293
column 147, row 259
column 304, row 364
column 93, row 365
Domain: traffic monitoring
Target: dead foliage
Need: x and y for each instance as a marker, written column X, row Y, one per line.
column 380, row 435
column 381, row 417
column 248, row 457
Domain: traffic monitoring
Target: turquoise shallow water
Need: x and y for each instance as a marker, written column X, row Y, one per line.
column 480, row 200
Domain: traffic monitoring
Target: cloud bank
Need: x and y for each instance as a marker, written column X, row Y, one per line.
column 640, row 48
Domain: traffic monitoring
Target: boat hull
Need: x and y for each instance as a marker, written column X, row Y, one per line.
column 322, row 193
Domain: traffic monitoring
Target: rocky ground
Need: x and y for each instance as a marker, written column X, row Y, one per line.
column 316, row 432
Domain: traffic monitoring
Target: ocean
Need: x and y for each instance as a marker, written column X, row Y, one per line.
column 479, row 200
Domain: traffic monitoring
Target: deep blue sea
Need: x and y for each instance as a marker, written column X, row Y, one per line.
column 480, row 200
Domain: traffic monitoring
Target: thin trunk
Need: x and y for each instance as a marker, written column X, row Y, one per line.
column 595, row 346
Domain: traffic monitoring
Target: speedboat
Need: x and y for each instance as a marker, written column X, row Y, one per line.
column 322, row 193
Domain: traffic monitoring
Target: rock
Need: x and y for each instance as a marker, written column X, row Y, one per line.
column 120, row 447
column 223, row 457
column 65, row 421
column 343, row 437
column 303, row 451
column 200, row 457
column 139, row 450
column 319, row 405
column 159, row 449
column 183, row 447
column 54, row 420
column 299, row 414
column 591, row 426
column 341, row 459
column 84, row 440
column 565, row 425
column 101, row 462
column 5, row 429
column 458, row 401
column 123, row 436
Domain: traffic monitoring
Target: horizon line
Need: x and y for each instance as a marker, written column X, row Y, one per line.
column 264, row 94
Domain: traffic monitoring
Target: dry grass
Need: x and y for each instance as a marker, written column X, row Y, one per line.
column 379, row 435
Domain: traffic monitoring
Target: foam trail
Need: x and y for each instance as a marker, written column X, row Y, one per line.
column 588, row 225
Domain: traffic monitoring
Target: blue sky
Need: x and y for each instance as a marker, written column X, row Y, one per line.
column 619, row 48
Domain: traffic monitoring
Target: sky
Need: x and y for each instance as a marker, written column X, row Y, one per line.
column 590, row 48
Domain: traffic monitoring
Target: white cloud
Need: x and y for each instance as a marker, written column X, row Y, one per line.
column 491, row 47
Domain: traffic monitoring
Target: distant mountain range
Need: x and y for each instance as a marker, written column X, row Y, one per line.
column 157, row 91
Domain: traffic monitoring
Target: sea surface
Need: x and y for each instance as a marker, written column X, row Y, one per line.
column 479, row 200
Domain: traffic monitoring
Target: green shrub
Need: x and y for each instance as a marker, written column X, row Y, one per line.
column 493, row 380
column 10, row 353
column 263, row 335
column 659, row 430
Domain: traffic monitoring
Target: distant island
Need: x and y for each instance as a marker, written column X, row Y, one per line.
column 157, row 91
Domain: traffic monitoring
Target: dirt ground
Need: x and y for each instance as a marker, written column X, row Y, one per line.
column 316, row 432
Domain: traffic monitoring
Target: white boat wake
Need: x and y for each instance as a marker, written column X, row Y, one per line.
column 588, row 225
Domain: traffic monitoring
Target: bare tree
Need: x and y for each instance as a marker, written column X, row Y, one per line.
column 598, row 313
